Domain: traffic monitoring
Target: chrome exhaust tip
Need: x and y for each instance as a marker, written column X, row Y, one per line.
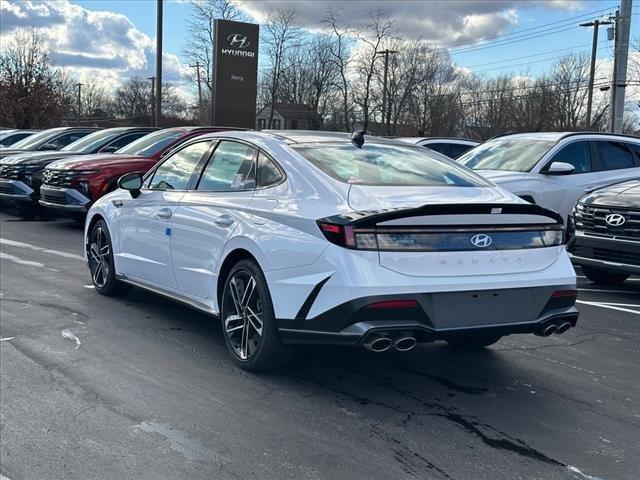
column 563, row 327
column 548, row 330
column 378, row 344
column 404, row 344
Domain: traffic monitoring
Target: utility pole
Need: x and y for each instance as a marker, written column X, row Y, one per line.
column 79, row 85
column 386, row 54
column 594, row 51
column 197, row 67
column 619, row 80
column 158, row 96
column 153, row 99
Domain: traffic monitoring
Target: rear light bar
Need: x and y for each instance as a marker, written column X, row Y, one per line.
column 564, row 293
column 424, row 239
column 393, row 304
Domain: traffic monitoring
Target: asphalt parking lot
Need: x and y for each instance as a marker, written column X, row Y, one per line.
column 142, row 388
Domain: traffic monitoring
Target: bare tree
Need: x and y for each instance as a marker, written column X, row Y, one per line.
column 201, row 41
column 282, row 34
column 132, row 100
column 27, row 82
column 372, row 36
column 340, row 56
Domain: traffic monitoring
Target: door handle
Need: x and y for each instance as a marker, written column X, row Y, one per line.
column 224, row 221
column 164, row 214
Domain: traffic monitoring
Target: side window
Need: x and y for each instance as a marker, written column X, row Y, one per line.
column 66, row 139
column 268, row 172
column 577, row 154
column 175, row 172
column 125, row 140
column 275, row 124
column 231, row 168
column 438, row 147
column 457, row 149
column 262, row 124
column 614, row 155
column 636, row 149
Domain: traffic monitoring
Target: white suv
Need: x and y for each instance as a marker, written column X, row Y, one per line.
column 555, row 169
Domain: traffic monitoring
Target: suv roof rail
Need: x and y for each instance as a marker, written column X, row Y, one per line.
column 608, row 134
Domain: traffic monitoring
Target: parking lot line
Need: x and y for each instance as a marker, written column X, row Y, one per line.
column 13, row 243
column 606, row 305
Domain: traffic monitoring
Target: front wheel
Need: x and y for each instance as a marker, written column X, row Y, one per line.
column 603, row 277
column 101, row 266
column 248, row 319
column 473, row 343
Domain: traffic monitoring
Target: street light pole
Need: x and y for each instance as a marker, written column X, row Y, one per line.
column 153, row 99
column 158, row 110
column 594, row 50
column 386, row 54
column 79, row 85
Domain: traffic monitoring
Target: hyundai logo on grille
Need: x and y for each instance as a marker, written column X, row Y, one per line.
column 615, row 219
column 238, row 40
column 481, row 240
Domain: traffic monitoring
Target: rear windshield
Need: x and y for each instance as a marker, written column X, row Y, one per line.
column 151, row 144
column 517, row 155
column 388, row 165
column 37, row 139
column 92, row 142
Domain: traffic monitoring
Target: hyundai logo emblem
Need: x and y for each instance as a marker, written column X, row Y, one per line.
column 481, row 240
column 238, row 40
column 615, row 219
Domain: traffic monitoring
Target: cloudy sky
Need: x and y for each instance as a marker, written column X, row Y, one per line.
column 113, row 39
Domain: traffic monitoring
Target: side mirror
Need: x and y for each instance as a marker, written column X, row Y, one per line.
column 131, row 182
column 560, row 168
column 108, row 149
column 49, row 146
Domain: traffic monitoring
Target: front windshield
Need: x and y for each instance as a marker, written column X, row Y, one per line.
column 92, row 142
column 388, row 165
column 516, row 155
column 37, row 139
column 151, row 144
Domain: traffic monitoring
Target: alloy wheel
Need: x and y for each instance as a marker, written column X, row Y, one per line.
column 99, row 255
column 242, row 307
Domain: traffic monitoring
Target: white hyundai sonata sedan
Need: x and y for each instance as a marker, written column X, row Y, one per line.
column 326, row 238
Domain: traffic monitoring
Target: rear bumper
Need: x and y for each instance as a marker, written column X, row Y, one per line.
column 64, row 199
column 16, row 192
column 609, row 254
column 437, row 316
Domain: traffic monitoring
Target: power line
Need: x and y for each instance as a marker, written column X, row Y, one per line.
column 518, row 32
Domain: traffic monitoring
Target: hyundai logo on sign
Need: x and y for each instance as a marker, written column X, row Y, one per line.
column 481, row 240
column 237, row 40
column 615, row 219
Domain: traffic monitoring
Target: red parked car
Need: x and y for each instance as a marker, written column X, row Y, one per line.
column 72, row 185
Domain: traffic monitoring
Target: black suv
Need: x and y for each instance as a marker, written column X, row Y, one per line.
column 604, row 232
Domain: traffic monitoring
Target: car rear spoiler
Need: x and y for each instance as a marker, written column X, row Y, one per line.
column 370, row 218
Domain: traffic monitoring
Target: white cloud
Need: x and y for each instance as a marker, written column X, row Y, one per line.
column 100, row 45
column 438, row 21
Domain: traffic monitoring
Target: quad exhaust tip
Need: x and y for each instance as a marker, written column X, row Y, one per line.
column 404, row 344
column 563, row 327
column 547, row 330
column 378, row 344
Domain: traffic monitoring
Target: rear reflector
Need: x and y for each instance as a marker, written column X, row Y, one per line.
column 564, row 293
column 394, row 304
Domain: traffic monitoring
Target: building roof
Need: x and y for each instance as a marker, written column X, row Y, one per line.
column 292, row 110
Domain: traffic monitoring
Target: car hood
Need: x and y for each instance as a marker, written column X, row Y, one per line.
column 625, row 194
column 98, row 160
column 502, row 176
column 29, row 159
column 362, row 197
column 4, row 152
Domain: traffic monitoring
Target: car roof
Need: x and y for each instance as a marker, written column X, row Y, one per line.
column 557, row 136
column 443, row 139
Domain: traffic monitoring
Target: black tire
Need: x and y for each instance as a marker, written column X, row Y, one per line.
column 473, row 343
column 603, row 277
column 249, row 328
column 103, row 274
